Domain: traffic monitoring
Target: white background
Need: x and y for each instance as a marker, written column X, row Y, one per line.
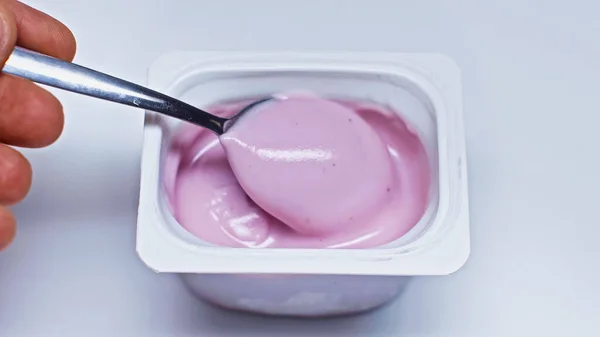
column 531, row 86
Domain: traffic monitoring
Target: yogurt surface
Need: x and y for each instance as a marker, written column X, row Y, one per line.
column 300, row 172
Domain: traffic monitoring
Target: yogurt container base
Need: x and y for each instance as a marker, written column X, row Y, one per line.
column 425, row 89
column 296, row 295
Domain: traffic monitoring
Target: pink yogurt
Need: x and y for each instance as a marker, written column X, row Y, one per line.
column 295, row 156
column 301, row 172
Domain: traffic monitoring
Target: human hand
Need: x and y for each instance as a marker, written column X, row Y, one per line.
column 30, row 117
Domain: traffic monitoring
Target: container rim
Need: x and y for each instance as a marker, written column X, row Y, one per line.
column 451, row 196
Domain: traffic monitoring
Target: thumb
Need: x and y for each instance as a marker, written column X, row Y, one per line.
column 8, row 34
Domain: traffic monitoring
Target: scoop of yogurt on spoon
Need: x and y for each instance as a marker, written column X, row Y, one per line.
column 310, row 162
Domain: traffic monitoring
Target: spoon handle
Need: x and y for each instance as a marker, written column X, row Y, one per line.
column 60, row 74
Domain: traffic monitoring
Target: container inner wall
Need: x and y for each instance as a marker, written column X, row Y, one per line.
column 397, row 92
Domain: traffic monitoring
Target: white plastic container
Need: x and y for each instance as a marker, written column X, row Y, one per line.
column 424, row 88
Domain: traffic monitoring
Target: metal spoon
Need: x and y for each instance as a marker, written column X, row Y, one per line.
column 69, row 76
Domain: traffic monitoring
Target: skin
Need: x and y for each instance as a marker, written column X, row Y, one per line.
column 30, row 117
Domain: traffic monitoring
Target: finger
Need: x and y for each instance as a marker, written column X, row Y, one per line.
column 8, row 33
column 29, row 115
column 41, row 32
column 7, row 227
column 15, row 175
